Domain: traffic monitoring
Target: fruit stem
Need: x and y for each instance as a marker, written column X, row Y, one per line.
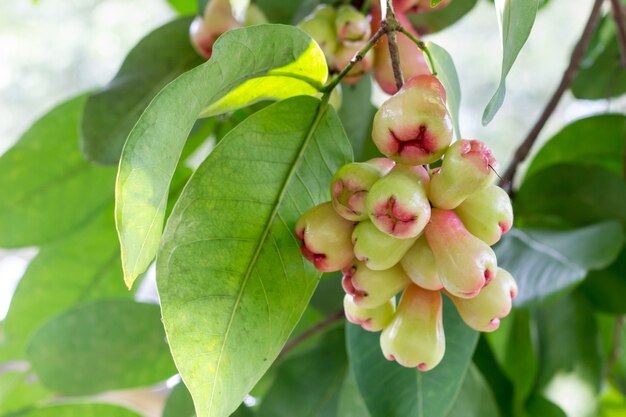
column 618, row 16
column 356, row 58
column 568, row 76
column 312, row 331
column 390, row 24
column 422, row 46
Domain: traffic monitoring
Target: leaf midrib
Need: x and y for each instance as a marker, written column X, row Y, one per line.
column 318, row 117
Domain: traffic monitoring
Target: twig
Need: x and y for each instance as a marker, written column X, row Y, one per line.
column 390, row 25
column 358, row 57
column 617, row 344
column 422, row 46
column 577, row 54
column 311, row 331
column 618, row 16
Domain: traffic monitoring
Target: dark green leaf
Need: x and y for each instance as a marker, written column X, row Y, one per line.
column 228, row 314
column 288, row 12
column 80, row 268
column 110, row 114
column 601, row 74
column 440, row 19
column 82, row 410
column 104, row 345
column 48, row 190
column 390, row 390
column 541, row 407
column 446, row 72
column 596, row 140
column 501, row 386
column 475, row 398
column 19, row 392
column 247, row 65
column 351, row 403
column 605, row 289
column 548, row 262
column 356, row 114
column 569, row 343
column 179, row 403
column 515, row 19
column 309, row 384
column 567, row 195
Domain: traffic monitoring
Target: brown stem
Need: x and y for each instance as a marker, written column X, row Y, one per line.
column 570, row 72
column 390, row 25
column 311, row 331
column 618, row 16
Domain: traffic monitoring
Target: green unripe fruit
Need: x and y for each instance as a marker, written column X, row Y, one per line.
column 378, row 250
column 494, row 302
column 397, row 204
column 420, row 265
column 371, row 319
column 320, row 25
column 468, row 166
column 465, row 263
column 487, row 214
column 351, row 25
column 371, row 288
column 414, row 127
column 350, row 186
column 415, row 337
column 325, row 238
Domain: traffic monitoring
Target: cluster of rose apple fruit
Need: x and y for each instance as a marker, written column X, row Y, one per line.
column 395, row 225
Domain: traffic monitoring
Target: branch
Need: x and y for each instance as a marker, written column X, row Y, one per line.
column 311, row 331
column 390, row 25
column 422, row 46
column 577, row 54
column 618, row 16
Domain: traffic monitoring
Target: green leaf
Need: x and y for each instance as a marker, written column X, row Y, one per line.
column 81, row 409
column 612, row 404
column 605, row 289
column 231, row 278
column 446, row 72
column 436, row 20
column 184, row 7
column 501, row 386
column 18, row 392
column 475, row 398
column 569, row 343
column 569, row 195
column 515, row 19
column 48, row 190
column 390, row 390
column 574, row 144
column 356, row 114
column 601, row 74
column 548, row 262
column 110, row 114
column 100, row 346
column 179, row 403
column 288, row 12
column 247, row 65
column 80, row 268
column 310, row 382
column 540, row 406
column 351, row 403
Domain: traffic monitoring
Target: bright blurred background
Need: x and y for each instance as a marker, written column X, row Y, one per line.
column 53, row 49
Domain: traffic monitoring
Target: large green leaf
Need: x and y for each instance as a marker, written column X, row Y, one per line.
column 596, row 140
column 111, row 113
column 247, row 65
column 83, row 267
column 605, row 289
column 357, row 113
column 19, row 392
column 289, row 12
column 565, row 195
column 48, row 190
column 231, row 278
column 475, row 398
column 515, row 19
column 100, row 346
column 309, row 384
column 184, row 7
column 390, row 390
column 440, row 19
column 548, row 262
column 446, row 72
column 82, row 410
column 179, row 403
column 351, row 403
column 601, row 74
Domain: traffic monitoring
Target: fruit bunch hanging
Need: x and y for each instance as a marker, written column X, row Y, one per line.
column 395, row 225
